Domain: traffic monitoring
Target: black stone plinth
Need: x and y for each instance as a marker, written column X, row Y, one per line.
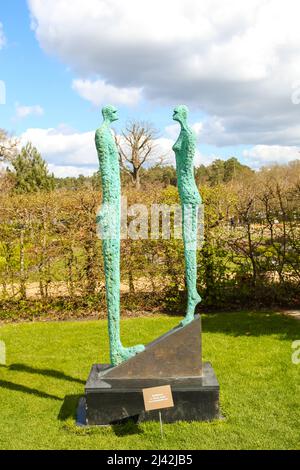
column 114, row 394
column 113, row 401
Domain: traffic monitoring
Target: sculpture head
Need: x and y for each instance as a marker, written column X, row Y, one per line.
column 110, row 113
column 181, row 113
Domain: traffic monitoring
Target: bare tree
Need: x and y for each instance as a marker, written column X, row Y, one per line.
column 8, row 146
column 136, row 145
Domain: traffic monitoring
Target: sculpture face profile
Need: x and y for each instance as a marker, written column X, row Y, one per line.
column 180, row 114
column 110, row 114
column 108, row 220
column 184, row 149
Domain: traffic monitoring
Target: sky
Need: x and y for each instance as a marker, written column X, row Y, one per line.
column 236, row 65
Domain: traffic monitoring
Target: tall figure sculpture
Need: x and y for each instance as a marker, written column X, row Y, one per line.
column 190, row 199
column 109, row 224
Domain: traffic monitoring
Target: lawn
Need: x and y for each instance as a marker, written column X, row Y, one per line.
column 48, row 363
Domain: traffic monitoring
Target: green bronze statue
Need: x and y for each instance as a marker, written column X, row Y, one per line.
column 190, row 199
column 109, row 222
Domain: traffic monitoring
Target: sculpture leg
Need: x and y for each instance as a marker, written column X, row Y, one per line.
column 111, row 256
column 190, row 217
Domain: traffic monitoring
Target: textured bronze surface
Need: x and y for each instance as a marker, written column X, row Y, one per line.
column 175, row 354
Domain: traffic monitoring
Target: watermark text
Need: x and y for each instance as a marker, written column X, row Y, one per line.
column 296, row 353
column 2, row 92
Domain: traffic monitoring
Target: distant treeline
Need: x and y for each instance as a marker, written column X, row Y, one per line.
column 218, row 172
column 250, row 257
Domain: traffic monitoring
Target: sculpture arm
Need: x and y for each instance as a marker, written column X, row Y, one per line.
column 189, row 148
column 101, row 142
column 191, row 155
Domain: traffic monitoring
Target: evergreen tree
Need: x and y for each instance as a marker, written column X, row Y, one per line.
column 233, row 169
column 216, row 172
column 30, row 172
column 222, row 171
column 201, row 174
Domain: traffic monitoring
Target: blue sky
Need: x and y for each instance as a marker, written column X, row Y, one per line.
column 31, row 77
column 59, row 71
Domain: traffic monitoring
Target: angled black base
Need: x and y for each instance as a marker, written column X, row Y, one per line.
column 113, row 401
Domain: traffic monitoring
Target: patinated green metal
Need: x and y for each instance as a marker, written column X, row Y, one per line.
column 108, row 220
column 190, row 198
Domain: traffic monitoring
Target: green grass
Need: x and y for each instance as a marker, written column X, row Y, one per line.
column 48, row 363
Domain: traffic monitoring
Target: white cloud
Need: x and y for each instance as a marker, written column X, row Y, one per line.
column 98, row 92
column 266, row 129
column 173, row 130
column 261, row 155
column 163, row 151
column 236, row 61
column 23, row 112
column 70, row 153
column 63, row 147
column 105, row 35
column 256, row 157
column 2, row 37
column 75, row 171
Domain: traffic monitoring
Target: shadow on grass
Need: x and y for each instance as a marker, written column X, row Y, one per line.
column 47, row 372
column 33, row 370
column 72, row 408
column 128, row 427
column 31, row 391
column 252, row 324
column 69, row 407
